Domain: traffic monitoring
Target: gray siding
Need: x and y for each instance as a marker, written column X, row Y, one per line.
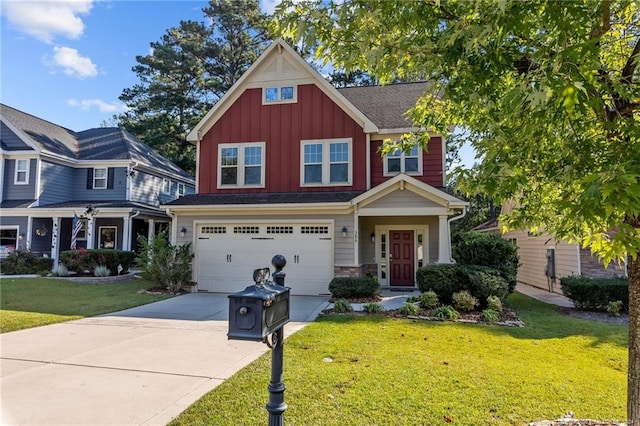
column 147, row 188
column 11, row 142
column 55, row 181
column 80, row 191
column 18, row 192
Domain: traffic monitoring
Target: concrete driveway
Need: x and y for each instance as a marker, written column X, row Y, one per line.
column 141, row 366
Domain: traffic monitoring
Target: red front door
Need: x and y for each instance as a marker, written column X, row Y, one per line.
column 402, row 261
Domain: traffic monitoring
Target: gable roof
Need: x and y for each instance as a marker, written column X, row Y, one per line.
column 97, row 144
column 278, row 47
column 386, row 106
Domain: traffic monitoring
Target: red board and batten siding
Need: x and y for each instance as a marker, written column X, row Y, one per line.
column 432, row 166
column 281, row 127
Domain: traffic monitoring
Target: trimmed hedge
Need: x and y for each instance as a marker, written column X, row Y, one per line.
column 596, row 293
column 445, row 280
column 347, row 287
column 25, row 262
column 83, row 260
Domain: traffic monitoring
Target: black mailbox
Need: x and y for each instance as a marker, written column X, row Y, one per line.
column 258, row 310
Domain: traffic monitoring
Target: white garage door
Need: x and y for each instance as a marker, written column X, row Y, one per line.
column 227, row 254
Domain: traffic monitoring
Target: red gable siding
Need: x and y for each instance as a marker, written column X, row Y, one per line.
column 281, row 127
column 432, row 167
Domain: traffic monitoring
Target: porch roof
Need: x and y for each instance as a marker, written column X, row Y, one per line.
column 266, row 198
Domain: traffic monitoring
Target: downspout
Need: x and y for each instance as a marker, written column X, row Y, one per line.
column 130, row 228
column 464, row 213
column 174, row 225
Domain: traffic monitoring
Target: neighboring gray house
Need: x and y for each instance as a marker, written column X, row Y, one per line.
column 111, row 180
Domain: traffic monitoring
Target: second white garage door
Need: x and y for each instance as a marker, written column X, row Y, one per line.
column 227, row 254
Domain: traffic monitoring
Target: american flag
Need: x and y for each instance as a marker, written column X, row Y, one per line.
column 76, row 227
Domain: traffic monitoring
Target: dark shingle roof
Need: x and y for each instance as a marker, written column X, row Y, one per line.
column 104, row 143
column 386, row 105
column 15, row 204
column 265, row 198
column 82, row 205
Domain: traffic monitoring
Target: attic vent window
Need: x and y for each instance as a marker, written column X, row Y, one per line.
column 280, row 94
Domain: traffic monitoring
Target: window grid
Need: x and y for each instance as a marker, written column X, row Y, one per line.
column 246, row 229
column 279, row 229
column 100, row 178
column 241, row 165
column 22, row 171
column 314, row 229
column 213, row 230
column 326, row 162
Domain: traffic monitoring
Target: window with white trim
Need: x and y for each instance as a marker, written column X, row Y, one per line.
column 326, row 162
column 241, row 165
column 181, row 189
column 166, row 186
column 279, row 94
column 403, row 162
column 22, row 172
column 100, row 178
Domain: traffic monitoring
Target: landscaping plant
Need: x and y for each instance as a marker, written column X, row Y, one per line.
column 164, row 263
column 428, row 300
column 372, row 308
column 354, row 287
column 342, row 306
column 446, row 312
column 25, row 262
column 463, row 301
column 409, row 309
column 494, row 303
column 490, row 315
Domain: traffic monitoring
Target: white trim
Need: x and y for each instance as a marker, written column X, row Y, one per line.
column 241, row 165
column 115, row 235
column 384, row 229
column 326, row 162
column 402, row 158
column 106, row 178
column 38, row 182
column 26, row 171
column 166, row 183
column 10, row 228
column 2, row 166
column 279, row 99
column 368, row 160
column 184, row 189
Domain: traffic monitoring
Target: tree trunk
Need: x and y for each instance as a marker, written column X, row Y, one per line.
column 633, row 390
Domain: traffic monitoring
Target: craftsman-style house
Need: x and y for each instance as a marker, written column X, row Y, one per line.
column 111, row 181
column 288, row 164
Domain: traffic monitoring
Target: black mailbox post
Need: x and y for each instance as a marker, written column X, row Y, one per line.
column 259, row 311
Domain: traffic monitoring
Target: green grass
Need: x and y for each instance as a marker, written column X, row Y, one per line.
column 389, row 371
column 32, row 302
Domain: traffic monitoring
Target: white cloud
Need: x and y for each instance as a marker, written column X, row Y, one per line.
column 101, row 105
column 268, row 6
column 72, row 63
column 46, row 19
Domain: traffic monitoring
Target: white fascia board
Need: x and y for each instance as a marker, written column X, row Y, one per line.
column 404, row 211
column 163, row 173
column 213, row 209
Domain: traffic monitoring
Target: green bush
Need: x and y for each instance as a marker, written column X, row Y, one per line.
column 348, row 287
column 60, row 271
column 101, row 271
column 372, row 308
column 480, row 248
column 446, row 312
column 428, row 300
column 490, row 315
column 25, row 262
column 614, row 308
column 595, row 293
column 409, row 309
column 164, row 263
column 342, row 306
column 84, row 260
column 463, row 301
column 494, row 303
column 441, row 279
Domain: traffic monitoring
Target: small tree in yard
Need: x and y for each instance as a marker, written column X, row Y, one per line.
column 164, row 263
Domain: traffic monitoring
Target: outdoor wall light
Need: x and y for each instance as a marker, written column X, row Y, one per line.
column 183, row 232
column 21, row 237
column 373, row 237
column 42, row 231
column 344, row 231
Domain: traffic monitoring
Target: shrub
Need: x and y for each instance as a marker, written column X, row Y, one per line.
column 428, row 300
column 595, row 294
column 373, row 308
column 60, row 271
column 479, row 248
column 25, row 262
column 482, row 282
column 101, row 271
column 446, row 312
column 439, row 278
column 490, row 315
column 463, row 301
column 494, row 303
column 342, row 306
column 164, row 263
column 348, row 287
column 614, row 308
column 409, row 309
column 84, row 260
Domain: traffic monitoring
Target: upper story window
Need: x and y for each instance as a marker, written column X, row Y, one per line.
column 166, row 186
column 403, row 162
column 279, row 94
column 181, row 189
column 22, row 172
column 326, row 162
column 100, row 178
column 241, row 165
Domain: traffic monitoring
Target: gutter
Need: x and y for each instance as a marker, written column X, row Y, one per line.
column 453, row 219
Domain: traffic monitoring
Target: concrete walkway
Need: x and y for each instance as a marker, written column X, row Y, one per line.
column 142, row 366
column 544, row 295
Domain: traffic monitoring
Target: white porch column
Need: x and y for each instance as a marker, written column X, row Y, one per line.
column 29, row 231
column 444, row 240
column 152, row 230
column 55, row 240
column 90, row 232
column 126, row 233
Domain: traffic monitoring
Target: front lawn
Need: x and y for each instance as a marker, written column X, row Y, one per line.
column 32, row 302
column 375, row 370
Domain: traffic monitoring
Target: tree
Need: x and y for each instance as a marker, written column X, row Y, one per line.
column 187, row 71
column 547, row 91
